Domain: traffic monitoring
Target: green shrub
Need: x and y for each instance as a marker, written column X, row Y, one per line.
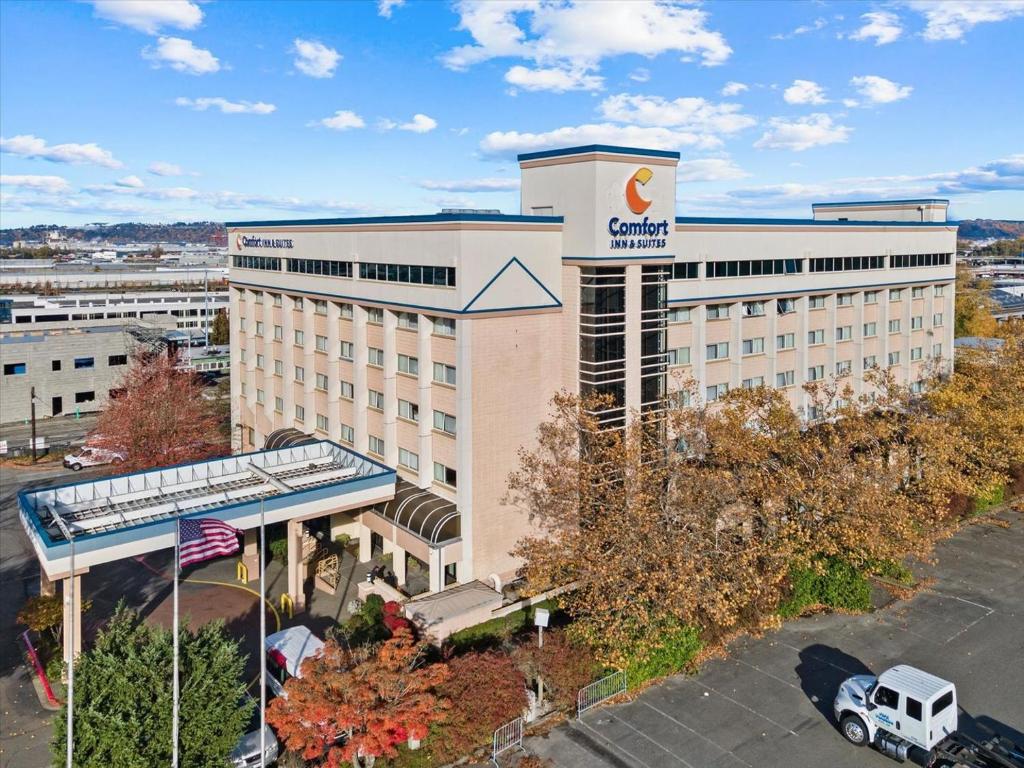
column 832, row 582
column 494, row 632
column 993, row 497
column 893, row 571
column 277, row 542
column 342, row 540
column 367, row 626
column 676, row 653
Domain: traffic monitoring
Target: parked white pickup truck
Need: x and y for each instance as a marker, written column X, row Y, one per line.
column 88, row 456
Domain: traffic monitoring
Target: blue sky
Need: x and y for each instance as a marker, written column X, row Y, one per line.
column 165, row 110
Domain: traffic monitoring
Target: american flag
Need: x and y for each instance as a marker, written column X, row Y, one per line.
column 203, row 538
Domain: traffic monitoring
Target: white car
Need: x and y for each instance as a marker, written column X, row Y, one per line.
column 88, row 456
column 286, row 650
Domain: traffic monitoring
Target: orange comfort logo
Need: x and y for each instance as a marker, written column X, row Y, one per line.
column 636, row 203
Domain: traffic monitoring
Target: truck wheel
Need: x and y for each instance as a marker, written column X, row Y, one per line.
column 77, row 467
column 854, row 730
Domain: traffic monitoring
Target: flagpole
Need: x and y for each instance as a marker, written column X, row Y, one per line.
column 261, row 651
column 174, row 721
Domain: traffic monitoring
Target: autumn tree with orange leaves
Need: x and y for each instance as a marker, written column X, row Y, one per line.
column 352, row 706
column 159, row 418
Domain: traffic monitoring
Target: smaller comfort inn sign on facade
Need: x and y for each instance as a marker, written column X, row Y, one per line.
column 246, row 241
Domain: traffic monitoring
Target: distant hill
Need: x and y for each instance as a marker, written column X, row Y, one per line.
column 983, row 229
column 179, row 232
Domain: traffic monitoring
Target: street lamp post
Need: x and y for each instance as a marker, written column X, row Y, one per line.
column 70, row 629
column 32, row 405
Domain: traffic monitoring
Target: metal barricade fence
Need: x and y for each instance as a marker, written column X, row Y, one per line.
column 509, row 736
column 600, row 690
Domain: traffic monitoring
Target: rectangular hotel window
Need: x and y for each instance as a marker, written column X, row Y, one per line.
column 685, row 270
column 278, row 333
column 937, row 319
column 321, row 343
column 256, row 262
column 279, row 367
column 319, row 307
column 679, row 315
column 408, row 459
column 407, row 410
column 679, row 399
column 259, row 328
column 894, row 358
column 753, row 268
column 375, row 356
column 408, row 320
column 241, row 355
column 785, row 379
column 444, row 422
column 113, row 360
column 844, row 333
column 276, row 299
column 348, row 435
column 376, row 445
column 753, row 383
column 843, row 367
column 937, row 350
column 870, row 329
column 916, row 323
column 85, row 362
column 785, row 341
column 846, row 263
column 870, row 362
column 321, row 422
column 345, row 309
column 444, row 326
column 679, row 356
column 814, row 412
column 716, row 392
column 258, row 297
column 753, row 346
column 785, row 306
column 408, row 273
column 296, row 302
column 300, row 413
column 917, row 292
column 921, row 260
column 895, row 294
column 322, row 267
column 753, row 309
column 815, row 302
column 407, row 364
column 376, row 399
column 894, row 326
column 717, row 351
column 916, row 353
column 347, row 390
column 816, row 336
column 444, row 374
column 321, row 382
column 870, row 297
column 717, row 311
column 375, row 315
column 844, row 299
column 939, row 290
column 279, row 404
column 300, row 338
column 15, row 369
column 55, row 365
column 261, row 396
column 445, row 475
column 816, row 373
column 242, row 324
column 346, row 350
column 260, row 360
column 85, row 397
column 300, row 373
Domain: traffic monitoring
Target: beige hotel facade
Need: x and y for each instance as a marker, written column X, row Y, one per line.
column 434, row 343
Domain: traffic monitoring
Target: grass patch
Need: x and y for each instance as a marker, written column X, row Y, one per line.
column 985, row 501
column 893, row 571
column 494, row 632
column 832, row 582
column 675, row 654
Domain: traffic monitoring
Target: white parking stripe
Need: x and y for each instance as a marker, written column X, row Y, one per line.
column 611, row 744
column 691, row 730
column 744, row 706
column 667, row 751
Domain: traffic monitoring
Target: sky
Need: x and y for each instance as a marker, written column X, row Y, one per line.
column 171, row 110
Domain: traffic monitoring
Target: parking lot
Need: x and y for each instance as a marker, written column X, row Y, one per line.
column 769, row 703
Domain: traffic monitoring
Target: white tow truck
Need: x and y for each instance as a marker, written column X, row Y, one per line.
column 907, row 713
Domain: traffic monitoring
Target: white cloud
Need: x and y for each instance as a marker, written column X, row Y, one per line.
column 385, row 7
column 130, row 181
column 512, row 142
column 882, row 26
column 803, row 133
column 555, row 79
column 709, row 169
column 181, row 55
column 804, row 92
column 640, row 75
column 150, row 15
column 28, row 145
column 419, row 124
column 471, row 185
column 225, row 106
column 950, row 19
column 878, row 90
column 803, row 29
column 47, row 184
column 315, row 59
column 342, row 120
column 851, row 103
column 160, row 168
column 149, row 193
column 732, row 88
column 692, row 113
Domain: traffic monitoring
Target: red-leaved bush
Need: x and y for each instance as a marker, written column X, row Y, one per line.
column 565, row 666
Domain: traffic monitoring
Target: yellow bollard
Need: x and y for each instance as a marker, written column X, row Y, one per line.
column 242, row 572
column 287, row 604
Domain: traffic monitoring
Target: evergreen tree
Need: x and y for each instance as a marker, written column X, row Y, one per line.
column 220, row 332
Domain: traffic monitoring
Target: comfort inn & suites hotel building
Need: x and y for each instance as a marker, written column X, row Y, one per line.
column 434, row 343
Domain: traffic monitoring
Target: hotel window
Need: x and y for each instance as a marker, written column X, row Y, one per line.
column 754, row 268
column 815, row 302
column 816, row 373
column 261, row 396
column 256, row 262
column 319, row 307
column 259, row 328
column 242, row 324
column 679, row 399
column 258, row 297
column 279, row 404
column 15, row 369
column 814, row 412
column 85, row 362
column 785, row 306
column 407, row 364
column 297, row 302
column 408, row 320
column 445, row 475
column 895, row 294
column 753, row 346
column 916, row 323
column 300, row 373
column 716, row 392
column 870, row 297
column 376, row 399
column 916, row 353
column 937, row 350
column 376, row 357
column 408, row 273
column 921, row 260
column 870, row 329
column 279, row 368
column 408, row 410
column 844, row 333
column 259, row 360
column 843, row 367
column 785, row 379
column 785, row 341
column 348, row 435
column 917, row 292
column 939, row 290
column 685, row 270
column 376, row 445
column 321, row 422
column 847, row 263
column 717, row 311
column 300, row 338
column 345, row 309
column 717, row 351
column 937, row 319
column 408, row 459
column 320, row 267
column 347, row 390
column 816, row 336
column 917, row 388
column 870, row 362
column 679, row 315
column 444, row 326
column 894, row 358
column 444, row 422
column 679, row 356
column 241, row 355
column 300, row 413
column 113, row 360
column 444, row 374
column 894, row 326
column 321, row 343
column 753, row 309
column 844, row 299
column 754, row 382
column 276, row 299
column 346, row 350
column 321, row 382
column 375, row 315
column 242, row 388
column 278, row 333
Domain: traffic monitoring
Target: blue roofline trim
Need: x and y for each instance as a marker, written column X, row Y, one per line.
column 509, row 263
column 810, row 222
column 426, row 218
column 608, row 148
column 880, row 202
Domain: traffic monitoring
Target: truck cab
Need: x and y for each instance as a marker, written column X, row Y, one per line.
column 898, row 710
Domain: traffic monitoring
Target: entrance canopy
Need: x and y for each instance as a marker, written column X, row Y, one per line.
column 128, row 515
column 422, row 513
